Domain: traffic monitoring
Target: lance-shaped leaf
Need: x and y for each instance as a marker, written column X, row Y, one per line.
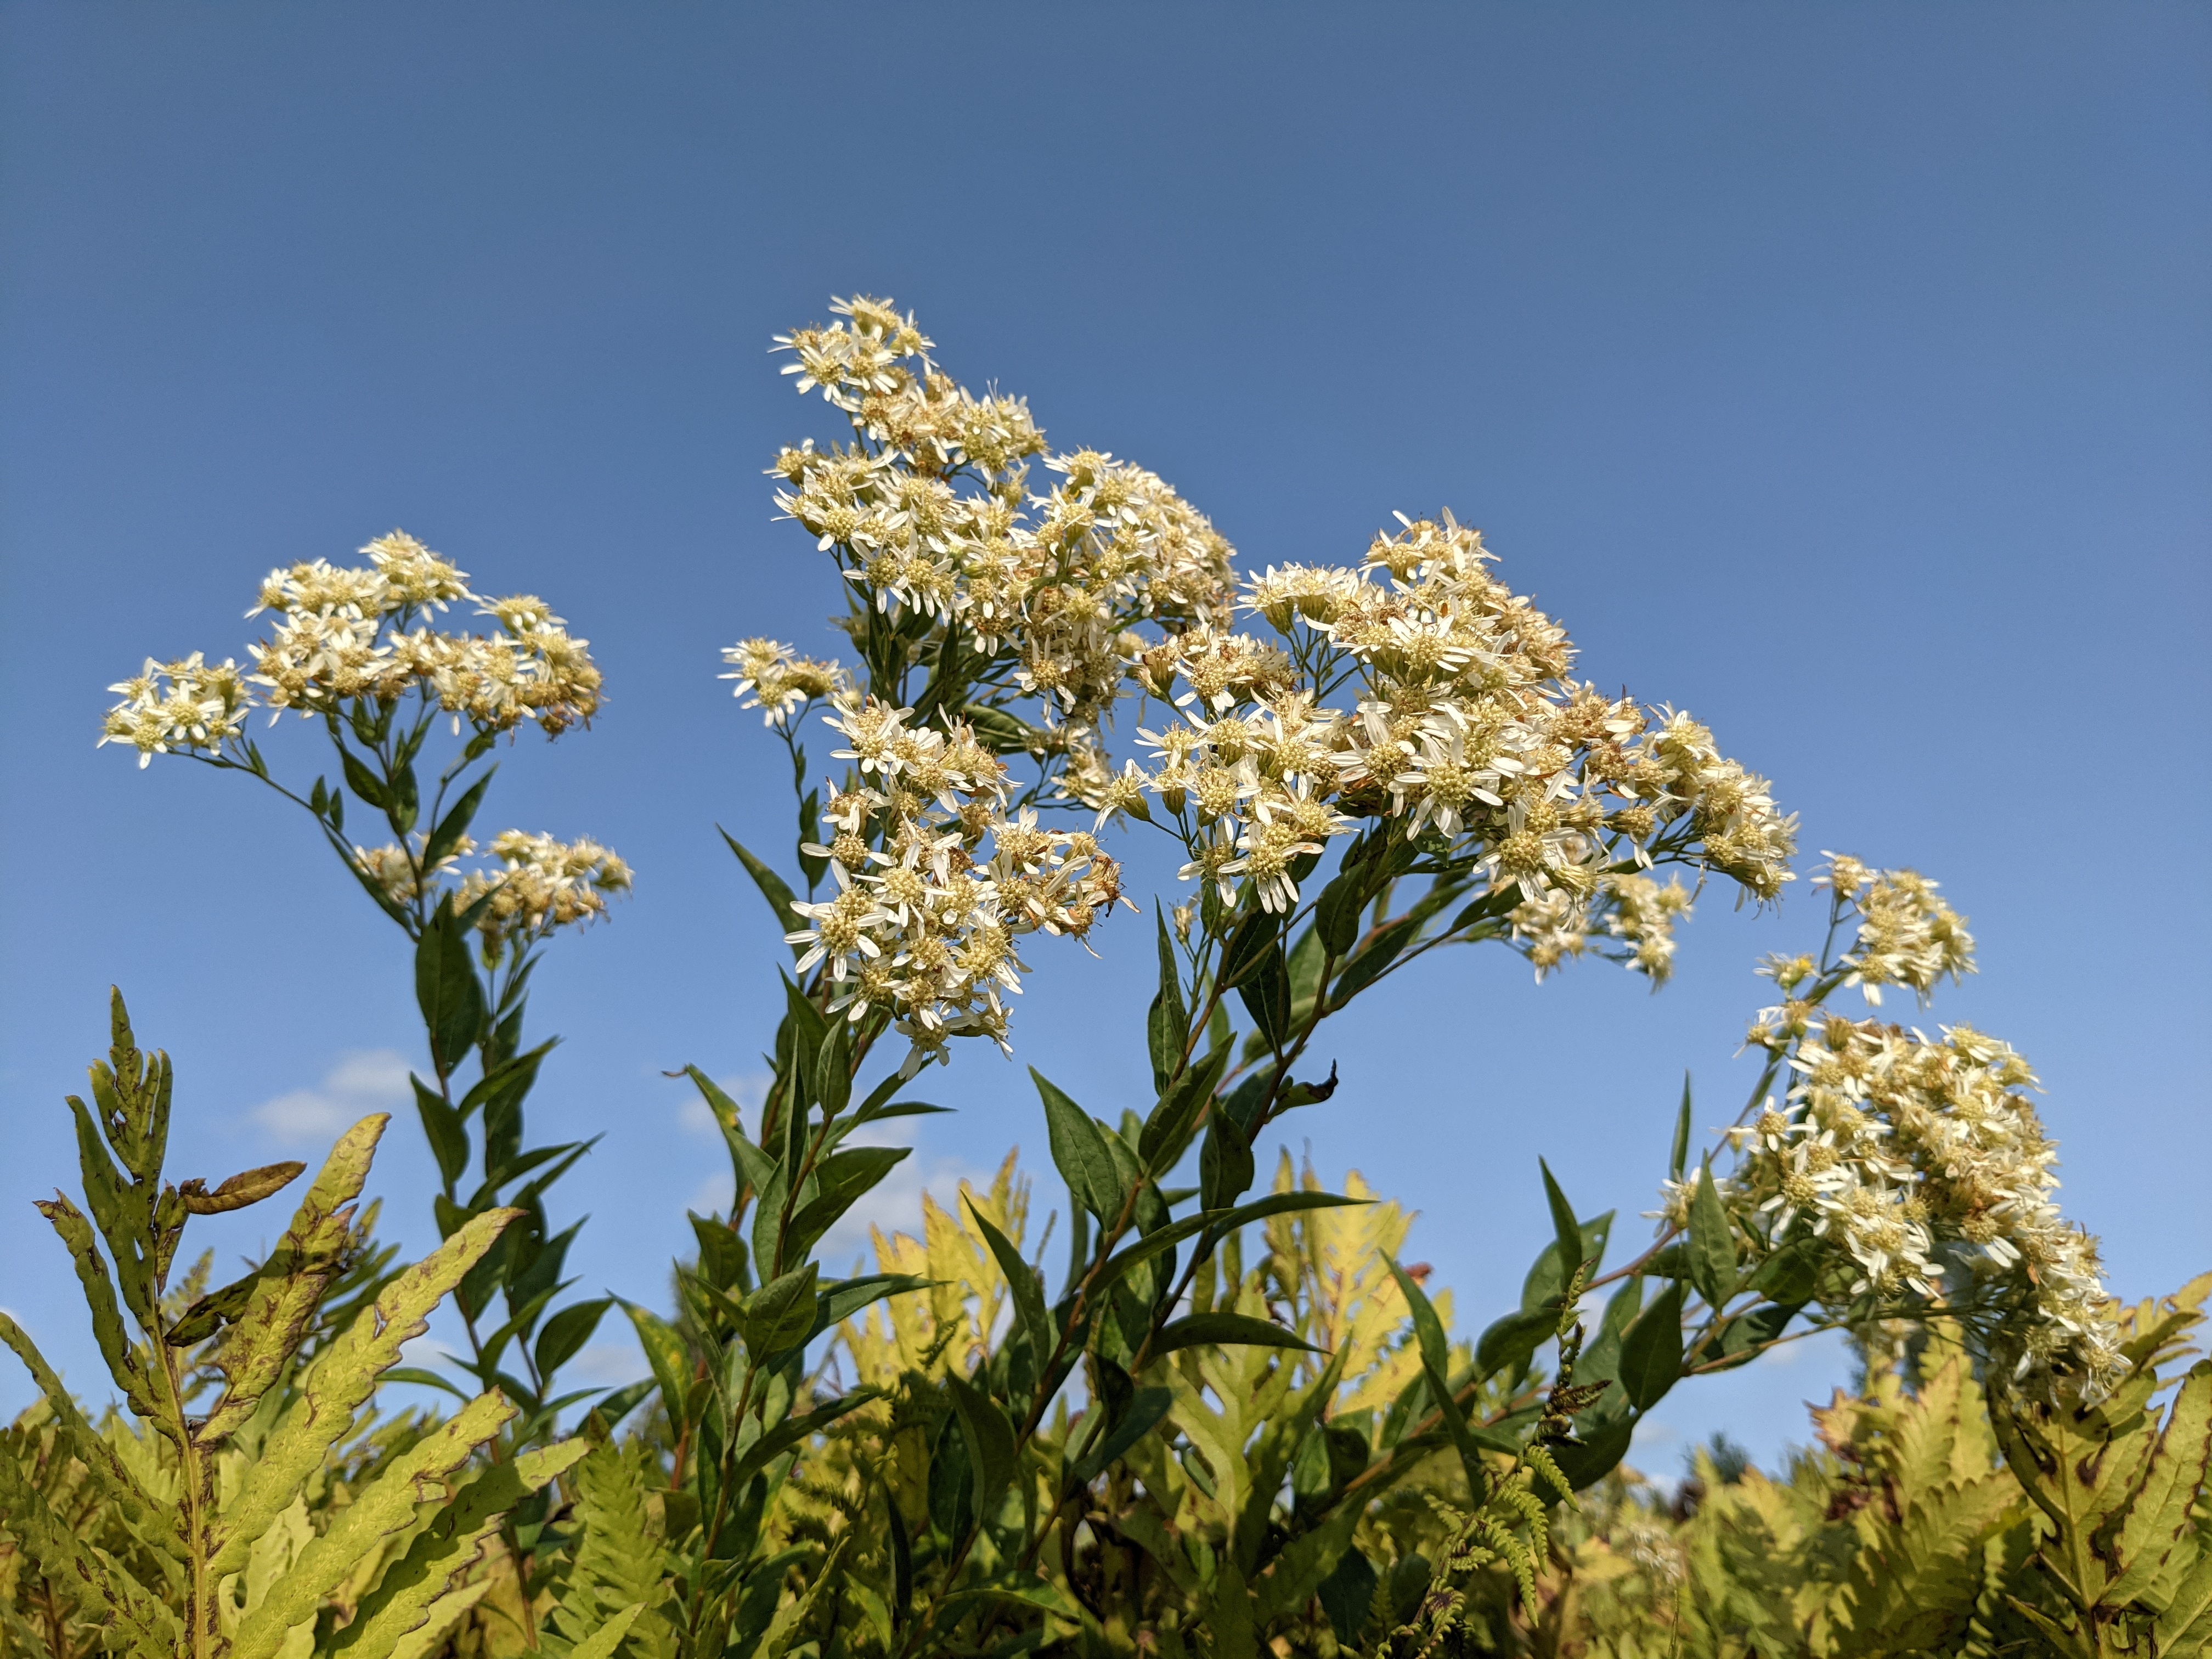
column 288, row 1287
column 664, row 1352
column 793, row 1430
column 406, row 1596
column 1566, row 1230
column 1079, row 1152
column 1712, row 1243
column 773, row 888
column 249, row 1186
column 419, row 1475
column 340, row 1381
column 602, row 1643
column 992, row 1450
column 1022, row 1281
column 99, row 1298
column 1651, row 1351
column 1225, row 1329
column 447, row 989
column 1220, row 1222
column 1166, row 1021
column 1146, row 1407
column 779, row 1314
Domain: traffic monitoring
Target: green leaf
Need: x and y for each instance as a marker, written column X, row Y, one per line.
column 842, row 1298
column 602, row 1643
column 1565, row 1229
column 1223, row 1222
column 1224, row 1330
column 455, row 825
column 718, row 1101
column 773, row 889
column 1224, row 1163
column 362, row 781
column 1712, row 1242
column 152, row 1520
column 1167, row 1022
column 991, row 1442
column 1022, row 1280
column 1651, row 1351
column 1509, row 1343
column 1079, row 1152
column 789, row 1433
column 1336, row 914
column 1166, row 1132
column 1364, row 969
column 779, row 1314
column 1545, row 1283
column 664, row 1352
column 100, row 1299
column 1585, row 1462
column 1680, row 1159
column 1145, row 1408
column 565, row 1333
column 443, row 1128
column 1428, row 1330
column 447, row 991
column 131, row 1614
column 1265, row 990
column 339, row 1382
column 1248, row 949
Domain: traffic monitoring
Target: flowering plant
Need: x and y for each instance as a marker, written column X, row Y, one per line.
column 1163, row 1447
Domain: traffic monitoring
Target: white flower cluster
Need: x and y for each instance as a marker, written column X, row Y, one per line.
column 542, row 883
column 935, row 883
column 1922, row 1160
column 1059, row 577
column 183, row 705
column 775, row 678
column 355, row 632
column 1466, row 724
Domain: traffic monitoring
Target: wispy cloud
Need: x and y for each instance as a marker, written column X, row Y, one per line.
column 363, row 1080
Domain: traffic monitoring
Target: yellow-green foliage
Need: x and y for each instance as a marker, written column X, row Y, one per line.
column 193, row 1531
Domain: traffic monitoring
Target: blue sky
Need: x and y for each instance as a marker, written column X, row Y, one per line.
column 1838, row 373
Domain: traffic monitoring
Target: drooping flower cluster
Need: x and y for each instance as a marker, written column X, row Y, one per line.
column 1923, row 1161
column 540, row 883
column 936, row 884
column 363, row 632
column 1639, row 916
column 1465, row 725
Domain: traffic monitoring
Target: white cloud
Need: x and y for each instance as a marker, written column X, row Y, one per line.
column 363, row 1080
column 748, row 1089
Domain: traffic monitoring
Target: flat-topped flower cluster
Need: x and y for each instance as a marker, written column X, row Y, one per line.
column 365, row 632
